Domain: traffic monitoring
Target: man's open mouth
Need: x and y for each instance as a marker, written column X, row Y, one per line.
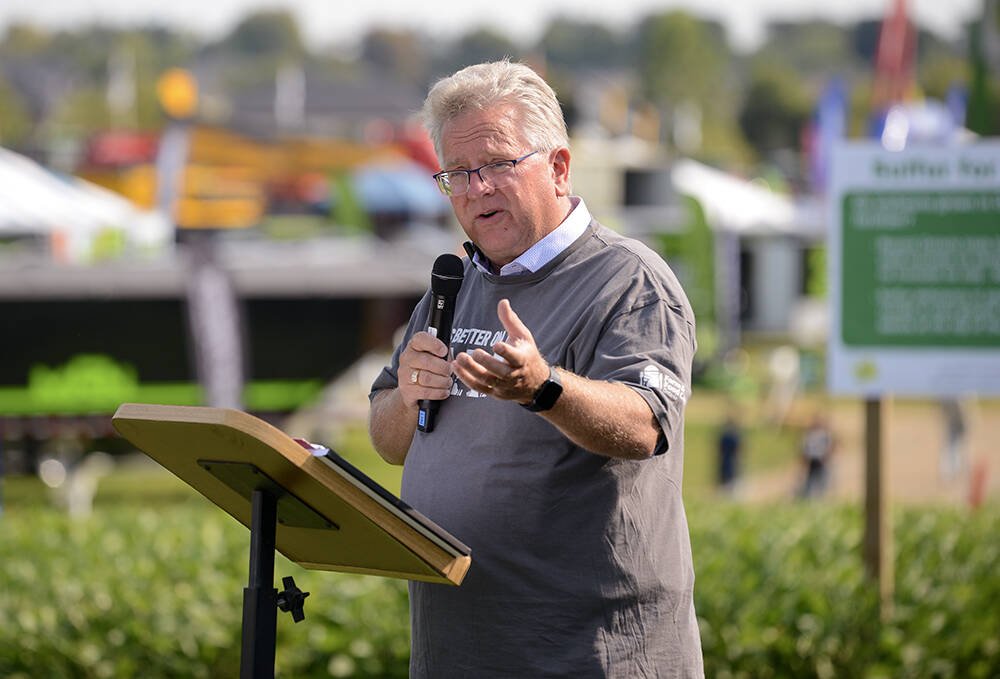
column 488, row 214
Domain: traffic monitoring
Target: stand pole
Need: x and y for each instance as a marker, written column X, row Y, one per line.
column 878, row 518
column 260, row 599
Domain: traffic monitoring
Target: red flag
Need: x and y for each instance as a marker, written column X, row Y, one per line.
column 894, row 58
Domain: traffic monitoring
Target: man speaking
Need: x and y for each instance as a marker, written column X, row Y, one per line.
column 557, row 451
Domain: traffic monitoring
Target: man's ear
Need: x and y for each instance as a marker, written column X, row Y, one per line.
column 560, row 170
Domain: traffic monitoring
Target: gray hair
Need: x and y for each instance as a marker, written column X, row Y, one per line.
column 496, row 83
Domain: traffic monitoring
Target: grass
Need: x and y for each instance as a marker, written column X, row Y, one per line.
column 766, row 447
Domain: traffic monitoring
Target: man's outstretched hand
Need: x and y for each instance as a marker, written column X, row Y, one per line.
column 514, row 372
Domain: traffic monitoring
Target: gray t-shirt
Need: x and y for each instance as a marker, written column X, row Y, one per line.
column 581, row 563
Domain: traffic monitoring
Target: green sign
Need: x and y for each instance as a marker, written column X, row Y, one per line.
column 914, row 269
column 921, row 269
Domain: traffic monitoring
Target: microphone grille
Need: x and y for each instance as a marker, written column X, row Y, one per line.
column 447, row 274
column 448, row 265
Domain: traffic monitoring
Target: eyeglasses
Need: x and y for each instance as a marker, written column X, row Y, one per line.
column 494, row 175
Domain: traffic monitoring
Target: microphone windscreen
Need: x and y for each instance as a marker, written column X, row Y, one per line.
column 447, row 275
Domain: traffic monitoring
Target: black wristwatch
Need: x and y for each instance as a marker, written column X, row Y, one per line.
column 547, row 394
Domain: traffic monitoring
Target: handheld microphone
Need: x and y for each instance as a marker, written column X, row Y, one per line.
column 446, row 280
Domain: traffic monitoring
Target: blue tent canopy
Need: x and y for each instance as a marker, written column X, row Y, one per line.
column 399, row 188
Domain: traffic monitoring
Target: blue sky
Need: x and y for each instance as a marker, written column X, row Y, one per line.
column 341, row 22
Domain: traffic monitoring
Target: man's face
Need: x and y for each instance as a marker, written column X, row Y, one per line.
column 505, row 222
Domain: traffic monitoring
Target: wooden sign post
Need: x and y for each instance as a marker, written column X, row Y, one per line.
column 878, row 545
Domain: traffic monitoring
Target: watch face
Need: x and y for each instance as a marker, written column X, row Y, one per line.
column 547, row 394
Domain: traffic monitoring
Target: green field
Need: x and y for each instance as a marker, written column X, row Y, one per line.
column 150, row 585
column 153, row 590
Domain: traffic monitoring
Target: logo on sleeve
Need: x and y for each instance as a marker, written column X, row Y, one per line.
column 655, row 378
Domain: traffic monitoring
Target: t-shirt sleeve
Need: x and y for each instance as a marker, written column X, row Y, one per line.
column 650, row 348
column 389, row 377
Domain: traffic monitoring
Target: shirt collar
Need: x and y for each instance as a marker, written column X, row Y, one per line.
column 543, row 252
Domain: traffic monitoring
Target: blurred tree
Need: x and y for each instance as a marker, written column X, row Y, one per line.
column 811, row 48
column 685, row 66
column 254, row 52
column 268, row 32
column 939, row 70
column 564, row 85
column 929, row 44
column 85, row 51
column 693, row 248
column 15, row 119
column 90, row 56
column 79, row 114
column 477, row 46
column 691, row 253
column 776, row 105
column 864, row 39
column 402, row 53
column 572, row 44
column 863, row 36
column 860, row 107
column 151, row 60
column 24, row 40
column 723, row 144
column 682, row 58
column 816, row 280
column 982, row 115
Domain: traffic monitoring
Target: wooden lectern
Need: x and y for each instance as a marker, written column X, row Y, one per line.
column 317, row 510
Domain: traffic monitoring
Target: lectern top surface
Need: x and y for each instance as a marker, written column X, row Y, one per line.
column 338, row 518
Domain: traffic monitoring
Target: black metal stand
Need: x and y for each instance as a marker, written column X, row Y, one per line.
column 260, row 599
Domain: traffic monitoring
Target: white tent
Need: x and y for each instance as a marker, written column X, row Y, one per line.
column 36, row 201
column 744, row 208
column 770, row 228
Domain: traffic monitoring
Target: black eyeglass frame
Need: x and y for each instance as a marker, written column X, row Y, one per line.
column 468, row 174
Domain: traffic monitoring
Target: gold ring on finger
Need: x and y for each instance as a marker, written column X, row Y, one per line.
column 415, row 376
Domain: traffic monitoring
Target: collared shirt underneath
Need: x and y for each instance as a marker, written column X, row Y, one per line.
column 542, row 252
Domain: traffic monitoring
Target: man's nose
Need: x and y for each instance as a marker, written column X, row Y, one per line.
column 479, row 185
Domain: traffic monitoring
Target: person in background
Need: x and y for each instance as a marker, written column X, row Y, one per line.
column 730, row 448
column 817, row 448
column 557, row 454
column 953, row 449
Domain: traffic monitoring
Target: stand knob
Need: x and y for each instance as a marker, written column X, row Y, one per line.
column 291, row 599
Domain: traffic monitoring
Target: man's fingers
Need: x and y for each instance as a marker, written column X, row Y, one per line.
column 426, row 378
column 424, row 341
column 468, row 365
column 424, row 372
column 424, row 352
column 433, row 394
column 497, row 365
column 508, row 353
column 416, row 383
column 474, row 374
column 516, row 330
